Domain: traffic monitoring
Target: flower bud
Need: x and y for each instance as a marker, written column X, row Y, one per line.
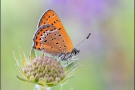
column 41, row 74
column 26, row 70
column 28, row 74
column 52, row 69
column 45, row 71
column 29, row 65
column 50, row 79
column 44, row 63
column 32, row 78
column 57, row 79
column 40, row 79
column 35, row 67
column 55, row 75
column 46, row 76
column 40, row 68
column 48, row 62
column 34, row 62
column 47, row 67
column 37, row 76
column 33, row 73
column 62, row 76
column 41, row 57
column 38, row 64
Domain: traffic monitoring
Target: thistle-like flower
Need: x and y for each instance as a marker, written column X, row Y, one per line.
column 44, row 71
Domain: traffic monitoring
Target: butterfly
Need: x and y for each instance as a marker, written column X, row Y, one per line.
column 52, row 38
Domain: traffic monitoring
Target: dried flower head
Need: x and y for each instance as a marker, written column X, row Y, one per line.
column 44, row 70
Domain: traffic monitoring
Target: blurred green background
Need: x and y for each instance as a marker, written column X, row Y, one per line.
column 107, row 56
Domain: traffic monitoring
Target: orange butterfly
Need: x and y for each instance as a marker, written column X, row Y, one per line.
column 52, row 38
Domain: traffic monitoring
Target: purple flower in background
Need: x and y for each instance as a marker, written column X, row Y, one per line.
column 87, row 16
column 98, row 9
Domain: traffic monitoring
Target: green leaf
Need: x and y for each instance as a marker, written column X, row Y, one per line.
column 24, row 60
column 69, row 66
column 17, row 64
column 24, row 80
column 51, row 83
column 73, row 69
column 64, row 80
column 43, row 82
column 32, row 54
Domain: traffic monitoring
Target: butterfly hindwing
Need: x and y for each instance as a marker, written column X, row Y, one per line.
column 49, row 39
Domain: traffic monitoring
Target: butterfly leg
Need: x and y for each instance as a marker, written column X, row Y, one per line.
column 61, row 56
column 43, row 54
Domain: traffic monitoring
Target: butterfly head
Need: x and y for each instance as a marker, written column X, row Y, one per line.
column 75, row 52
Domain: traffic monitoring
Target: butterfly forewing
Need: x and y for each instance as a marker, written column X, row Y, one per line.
column 51, row 18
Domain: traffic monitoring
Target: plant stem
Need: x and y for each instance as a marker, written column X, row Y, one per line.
column 48, row 88
column 61, row 86
column 38, row 87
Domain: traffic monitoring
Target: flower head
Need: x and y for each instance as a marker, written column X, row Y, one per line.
column 44, row 70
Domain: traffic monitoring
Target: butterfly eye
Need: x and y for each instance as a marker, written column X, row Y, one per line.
column 55, row 34
column 64, row 46
column 57, row 43
column 54, row 22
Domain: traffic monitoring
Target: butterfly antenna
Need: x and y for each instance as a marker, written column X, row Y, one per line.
column 84, row 39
